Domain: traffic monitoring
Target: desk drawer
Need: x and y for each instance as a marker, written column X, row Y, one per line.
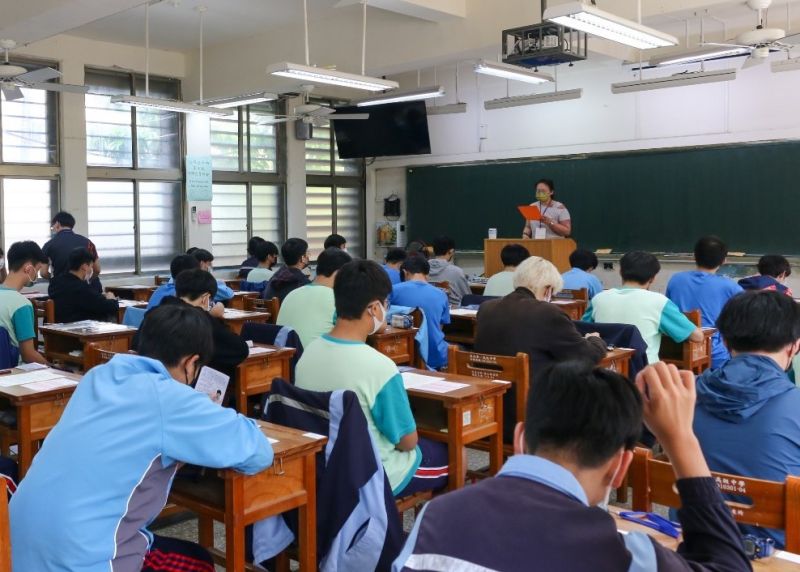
column 256, row 378
column 398, row 348
column 45, row 415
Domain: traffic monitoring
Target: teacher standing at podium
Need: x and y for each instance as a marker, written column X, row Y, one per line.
column 555, row 221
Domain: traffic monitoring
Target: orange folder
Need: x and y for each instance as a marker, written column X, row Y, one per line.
column 530, row 212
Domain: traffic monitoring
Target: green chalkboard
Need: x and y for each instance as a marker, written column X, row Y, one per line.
column 660, row 201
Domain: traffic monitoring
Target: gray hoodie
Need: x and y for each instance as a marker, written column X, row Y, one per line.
column 443, row 271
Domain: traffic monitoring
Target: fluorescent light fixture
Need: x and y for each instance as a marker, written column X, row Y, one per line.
column 786, row 65
column 508, row 71
column 239, row 100
column 520, row 100
column 676, row 80
column 406, row 95
column 592, row 20
column 330, row 77
column 447, row 109
column 698, row 55
column 169, row 105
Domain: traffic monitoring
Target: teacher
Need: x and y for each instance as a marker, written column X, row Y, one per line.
column 555, row 221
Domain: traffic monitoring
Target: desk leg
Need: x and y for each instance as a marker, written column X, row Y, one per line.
column 496, row 440
column 308, row 518
column 205, row 531
column 234, row 527
column 455, row 447
column 25, row 444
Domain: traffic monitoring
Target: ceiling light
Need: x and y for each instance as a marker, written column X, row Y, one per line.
column 699, row 55
column 330, row 77
column 520, row 100
column 786, row 65
column 447, row 109
column 592, row 20
column 398, row 96
column 508, row 71
column 169, row 105
column 239, row 100
column 676, row 80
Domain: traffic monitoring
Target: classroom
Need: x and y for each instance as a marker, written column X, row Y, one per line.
column 399, row 285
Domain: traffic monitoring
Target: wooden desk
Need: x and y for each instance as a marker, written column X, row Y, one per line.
column 236, row 319
column 37, row 413
column 575, row 309
column 618, row 360
column 238, row 300
column 395, row 343
column 61, row 339
column 239, row 500
column 35, row 295
column 775, row 564
column 555, row 250
column 135, row 292
column 477, row 288
column 461, row 417
column 255, row 374
column 463, row 327
column 694, row 356
column 125, row 304
column 234, row 283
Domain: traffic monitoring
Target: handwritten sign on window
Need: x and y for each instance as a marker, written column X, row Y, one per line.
column 198, row 178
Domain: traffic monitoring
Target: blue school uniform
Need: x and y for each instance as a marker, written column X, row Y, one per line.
column 576, row 279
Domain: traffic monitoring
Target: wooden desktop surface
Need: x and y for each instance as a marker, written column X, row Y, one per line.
column 255, row 374
column 61, row 339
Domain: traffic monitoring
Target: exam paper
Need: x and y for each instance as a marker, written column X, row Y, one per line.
column 29, row 377
column 463, row 312
column 213, row 383
column 254, row 351
column 48, row 384
column 429, row 383
column 32, row 366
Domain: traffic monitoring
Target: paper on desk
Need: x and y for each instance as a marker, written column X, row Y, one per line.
column 213, row 383
column 55, row 383
column 272, row 441
column 790, row 556
column 30, row 377
column 31, row 366
column 429, row 383
column 562, row 302
column 254, row 351
column 463, row 312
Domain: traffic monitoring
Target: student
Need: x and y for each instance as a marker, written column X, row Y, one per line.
column 652, row 313
column 196, row 288
column 540, row 512
column 335, row 241
column 266, row 253
column 773, row 270
column 747, row 410
column 295, row 258
column 703, row 289
column 394, row 260
column 502, row 283
column 443, row 269
column 583, row 262
column 206, row 259
column 25, row 261
column 416, row 292
column 74, row 299
column 179, row 264
column 525, row 321
column 105, row 470
column 64, row 241
column 342, row 360
column 311, row 310
column 251, row 262
column 419, row 246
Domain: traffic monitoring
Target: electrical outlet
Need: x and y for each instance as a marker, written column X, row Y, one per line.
column 608, row 266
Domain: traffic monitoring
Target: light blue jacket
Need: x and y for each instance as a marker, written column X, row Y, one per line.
column 105, row 470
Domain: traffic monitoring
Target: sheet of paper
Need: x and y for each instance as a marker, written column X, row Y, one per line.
column 213, row 383
column 48, row 384
column 416, row 380
column 255, row 350
column 463, row 312
column 29, row 377
column 430, row 383
column 313, row 435
column 790, row 556
column 443, row 386
column 31, row 366
column 272, row 441
column 562, row 302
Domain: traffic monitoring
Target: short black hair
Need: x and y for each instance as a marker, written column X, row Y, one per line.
column 202, row 255
column 583, row 260
column 330, row 260
column 442, row 245
column 358, row 284
column 182, row 262
column 80, row 256
column 163, row 334
column 251, row 245
column 293, row 250
column 710, row 252
column 264, row 249
column 759, row 320
column 639, row 267
column 513, row 254
column 586, row 412
column 192, row 250
column 21, row 253
column 64, row 219
column 549, row 182
column 417, row 245
column 774, row 265
column 194, row 283
column 416, row 264
column 395, row 255
column 334, row 240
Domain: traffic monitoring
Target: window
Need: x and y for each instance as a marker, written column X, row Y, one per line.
column 135, row 181
column 28, row 206
column 29, row 132
column 249, row 184
column 334, row 194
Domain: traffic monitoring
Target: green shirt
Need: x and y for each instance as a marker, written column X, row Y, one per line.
column 652, row 313
column 16, row 315
column 500, row 284
column 309, row 310
column 330, row 364
column 259, row 275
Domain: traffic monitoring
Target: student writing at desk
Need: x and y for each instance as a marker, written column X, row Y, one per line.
column 176, row 266
column 104, row 471
column 74, row 298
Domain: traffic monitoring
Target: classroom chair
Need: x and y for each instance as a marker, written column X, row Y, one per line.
column 5, row 530
column 133, row 317
column 694, row 356
column 159, row 280
column 443, row 285
column 273, row 306
column 771, row 504
column 96, row 355
column 567, row 294
column 44, row 309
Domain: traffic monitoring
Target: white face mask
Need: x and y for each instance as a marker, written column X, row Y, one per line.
column 2, row 263
column 604, row 503
column 376, row 323
column 89, row 274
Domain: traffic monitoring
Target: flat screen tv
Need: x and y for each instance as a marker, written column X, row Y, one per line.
column 392, row 129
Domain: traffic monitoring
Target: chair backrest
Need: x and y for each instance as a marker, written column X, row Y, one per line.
column 515, row 369
column 695, row 316
column 96, row 355
column 273, row 306
column 567, row 294
column 475, row 300
column 443, row 285
column 5, row 530
column 134, row 317
column 45, row 309
column 768, row 504
column 417, row 317
column 161, row 280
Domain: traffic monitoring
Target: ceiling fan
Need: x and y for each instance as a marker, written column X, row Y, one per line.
column 13, row 77
column 313, row 113
column 762, row 41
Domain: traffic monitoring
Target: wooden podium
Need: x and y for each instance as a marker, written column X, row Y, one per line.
column 556, row 251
